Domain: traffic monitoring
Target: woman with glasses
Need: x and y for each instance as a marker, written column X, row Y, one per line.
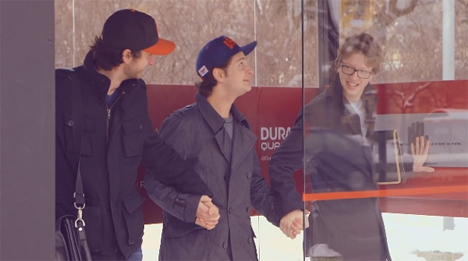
column 338, row 140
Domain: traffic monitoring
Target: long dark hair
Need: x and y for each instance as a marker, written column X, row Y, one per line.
column 107, row 58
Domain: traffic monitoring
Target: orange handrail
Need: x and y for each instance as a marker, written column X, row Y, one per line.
column 384, row 193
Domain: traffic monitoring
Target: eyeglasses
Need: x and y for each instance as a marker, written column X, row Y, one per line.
column 350, row 70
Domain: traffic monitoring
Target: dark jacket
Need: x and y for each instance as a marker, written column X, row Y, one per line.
column 114, row 143
column 197, row 132
column 334, row 162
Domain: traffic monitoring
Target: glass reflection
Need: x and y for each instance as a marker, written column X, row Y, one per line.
column 339, row 142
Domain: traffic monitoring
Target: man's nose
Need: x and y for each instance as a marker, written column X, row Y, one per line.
column 250, row 70
column 151, row 60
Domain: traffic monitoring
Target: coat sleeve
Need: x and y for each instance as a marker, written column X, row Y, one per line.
column 174, row 201
column 165, row 165
column 262, row 198
column 285, row 161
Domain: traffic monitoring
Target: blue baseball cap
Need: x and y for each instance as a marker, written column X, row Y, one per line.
column 218, row 51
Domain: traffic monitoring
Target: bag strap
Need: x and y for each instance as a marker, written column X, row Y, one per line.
column 77, row 110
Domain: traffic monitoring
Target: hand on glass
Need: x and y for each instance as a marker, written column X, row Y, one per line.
column 419, row 151
column 207, row 215
column 292, row 223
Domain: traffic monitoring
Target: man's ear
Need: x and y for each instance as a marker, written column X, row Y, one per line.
column 219, row 74
column 127, row 56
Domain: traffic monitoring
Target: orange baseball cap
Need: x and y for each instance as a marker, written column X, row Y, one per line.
column 134, row 30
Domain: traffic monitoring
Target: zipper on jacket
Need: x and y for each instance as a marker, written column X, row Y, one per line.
column 109, row 110
column 108, row 121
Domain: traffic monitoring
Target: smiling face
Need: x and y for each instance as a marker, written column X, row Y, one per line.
column 358, row 61
column 238, row 76
column 353, row 72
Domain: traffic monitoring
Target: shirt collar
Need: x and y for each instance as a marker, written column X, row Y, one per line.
column 212, row 118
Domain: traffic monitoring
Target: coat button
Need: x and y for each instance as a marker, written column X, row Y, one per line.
column 248, row 175
column 247, row 209
column 226, row 178
column 224, row 245
column 140, row 127
column 249, row 240
column 70, row 123
column 231, row 210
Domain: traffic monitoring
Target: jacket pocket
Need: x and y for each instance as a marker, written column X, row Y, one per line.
column 89, row 129
column 133, row 137
column 134, row 217
column 92, row 218
column 69, row 124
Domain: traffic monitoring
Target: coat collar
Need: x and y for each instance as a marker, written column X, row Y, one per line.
column 100, row 82
column 244, row 138
column 213, row 119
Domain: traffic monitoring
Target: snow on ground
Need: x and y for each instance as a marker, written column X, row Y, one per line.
column 407, row 236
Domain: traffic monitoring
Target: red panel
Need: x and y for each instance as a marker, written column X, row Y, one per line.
column 272, row 110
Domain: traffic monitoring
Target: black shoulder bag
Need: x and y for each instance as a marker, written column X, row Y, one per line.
column 70, row 235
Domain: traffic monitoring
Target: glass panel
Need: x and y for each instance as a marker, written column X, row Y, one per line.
column 383, row 157
column 279, row 33
column 349, row 163
column 188, row 23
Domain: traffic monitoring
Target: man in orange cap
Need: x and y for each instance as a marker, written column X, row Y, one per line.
column 102, row 126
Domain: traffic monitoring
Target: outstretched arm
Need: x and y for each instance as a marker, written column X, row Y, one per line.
column 185, row 205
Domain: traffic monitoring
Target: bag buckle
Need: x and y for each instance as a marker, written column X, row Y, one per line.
column 79, row 222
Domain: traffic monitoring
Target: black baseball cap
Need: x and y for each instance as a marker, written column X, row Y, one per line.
column 218, row 51
column 134, row 30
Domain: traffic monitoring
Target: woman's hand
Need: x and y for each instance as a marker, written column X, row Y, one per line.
column 419, row 151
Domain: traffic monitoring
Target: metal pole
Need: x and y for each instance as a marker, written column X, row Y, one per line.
column 448, row 62
column 448, row 40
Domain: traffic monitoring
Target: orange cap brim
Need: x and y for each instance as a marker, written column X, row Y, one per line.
column 162, row 47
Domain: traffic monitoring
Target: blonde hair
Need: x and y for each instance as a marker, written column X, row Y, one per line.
column 362, row 43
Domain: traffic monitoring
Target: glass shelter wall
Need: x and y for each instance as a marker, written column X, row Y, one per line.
column 355, row 186
column 385, row 142
column 276, row 25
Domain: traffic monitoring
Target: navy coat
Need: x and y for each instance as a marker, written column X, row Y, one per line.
column 197, row 132
column 114, row 143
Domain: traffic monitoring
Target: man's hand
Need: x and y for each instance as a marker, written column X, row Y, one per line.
column 207, row 213
column 419, row 151
column 292, row 223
